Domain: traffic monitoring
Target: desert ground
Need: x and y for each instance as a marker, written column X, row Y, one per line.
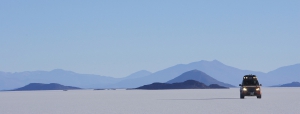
column 188, row 101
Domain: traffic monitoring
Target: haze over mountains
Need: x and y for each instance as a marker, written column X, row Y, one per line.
column 215, row 69
column 15, row 80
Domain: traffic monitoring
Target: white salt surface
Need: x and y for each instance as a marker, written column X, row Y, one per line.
column 203, row 101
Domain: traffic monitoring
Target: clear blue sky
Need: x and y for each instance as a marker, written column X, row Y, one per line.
column 118, row 37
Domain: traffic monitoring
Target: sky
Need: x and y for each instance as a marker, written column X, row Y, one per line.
column 118, row 37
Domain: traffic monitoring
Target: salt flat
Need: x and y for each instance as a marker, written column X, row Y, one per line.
column 204, row 101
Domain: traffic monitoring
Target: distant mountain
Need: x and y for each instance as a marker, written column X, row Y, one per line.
column 189, row 84
column 129, row 78
column 215, row 69
column 14, row 80
column 284, row 74
column 293, row 84
column 198, row 76
column 138, row 74
column 39, row 86
column 218, row 71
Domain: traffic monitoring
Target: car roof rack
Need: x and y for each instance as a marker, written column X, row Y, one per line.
column 250, row 75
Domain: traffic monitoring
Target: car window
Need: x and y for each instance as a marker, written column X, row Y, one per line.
column 250, row 82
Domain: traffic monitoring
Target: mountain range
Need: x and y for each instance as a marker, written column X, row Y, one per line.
column 219, row 71
column 19, row 79
column 215, row 69
column 188, row 84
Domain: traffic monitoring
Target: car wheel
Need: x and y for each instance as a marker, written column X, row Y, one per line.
column 259, row 97
column 242, row 96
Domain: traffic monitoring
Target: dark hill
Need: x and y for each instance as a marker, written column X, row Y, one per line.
column 39, row 86
column 189, row 84
column 198, row 76
column 293, row 84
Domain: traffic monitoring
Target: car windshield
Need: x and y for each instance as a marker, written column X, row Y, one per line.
column 250, row 82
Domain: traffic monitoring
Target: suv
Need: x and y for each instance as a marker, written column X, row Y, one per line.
column 250, row 87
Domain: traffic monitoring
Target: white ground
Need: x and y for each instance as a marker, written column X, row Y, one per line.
column 203, row 101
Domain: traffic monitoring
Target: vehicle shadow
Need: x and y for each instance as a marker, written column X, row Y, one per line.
column 203, row 99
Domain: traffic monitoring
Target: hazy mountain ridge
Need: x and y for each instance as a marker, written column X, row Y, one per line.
column 285, row 74
column 215, row 69
column 220, row 72
column 138, row 74
column 18, row 79
column 14, row 80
